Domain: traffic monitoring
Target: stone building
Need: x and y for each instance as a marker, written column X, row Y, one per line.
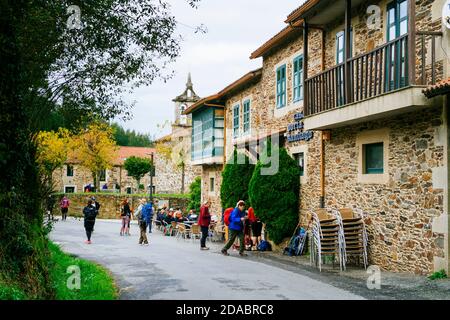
column 174, row 172
column 73, row 178
column 343, row 84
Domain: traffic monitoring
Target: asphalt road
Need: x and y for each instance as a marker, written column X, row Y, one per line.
column 176, row 269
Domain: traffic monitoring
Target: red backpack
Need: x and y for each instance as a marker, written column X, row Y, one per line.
column 226, row 216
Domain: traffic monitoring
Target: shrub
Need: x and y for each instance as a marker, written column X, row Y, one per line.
column 275, row 197
column 235, row 181
column 438, row 275
column 195, row 194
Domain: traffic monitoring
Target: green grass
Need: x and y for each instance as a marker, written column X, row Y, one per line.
column 438, row 275
column 96, row 282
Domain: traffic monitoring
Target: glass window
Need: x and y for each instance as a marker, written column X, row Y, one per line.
column 298, row 78
column 281, row 86
column 373, row 158
column 211, row 184
column 246, row 116
column 300, row 159
column 69, row 189
column 69, row 171
column 236, row 121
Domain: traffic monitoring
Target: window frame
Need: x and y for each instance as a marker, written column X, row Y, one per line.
column 71, row 170
column 281, row 88
column 297, row 90
column 366, row 148
column 236, row 120
column 246, row 116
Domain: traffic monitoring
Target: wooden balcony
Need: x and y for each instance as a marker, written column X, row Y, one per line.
column 384, row 70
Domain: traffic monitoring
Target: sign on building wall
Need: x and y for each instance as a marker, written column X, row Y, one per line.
column 295, row 130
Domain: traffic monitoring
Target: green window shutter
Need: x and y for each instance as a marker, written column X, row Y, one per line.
column 281, row 86
column 246, row 116
column 236, row 121
column 298, row 78
column 373, row 158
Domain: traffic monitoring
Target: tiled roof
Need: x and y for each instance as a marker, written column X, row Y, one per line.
column 242, row 81
column 125, row 152
column 294, row 15
column 440, row 88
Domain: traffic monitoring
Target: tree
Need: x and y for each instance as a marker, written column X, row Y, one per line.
column 130, row 137
column 275, row 198
column 235, row 180
column 52, row 150
column 95, row 149
column 138, row 168
column 195, row 194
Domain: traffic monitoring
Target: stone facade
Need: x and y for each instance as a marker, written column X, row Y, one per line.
column 82, row 177
column 211, row 188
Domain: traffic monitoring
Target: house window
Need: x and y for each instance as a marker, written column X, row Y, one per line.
column 129, row 190
column 300, row 159
column 298, row 78
column 281, row 86
column 211, row 184
column 247, row 117
column 102, row 175
column 236, row 121
column 373, row 158
column 69, row 171
column 69, row 189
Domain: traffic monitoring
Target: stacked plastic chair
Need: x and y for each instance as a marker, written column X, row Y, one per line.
column 326, row 238
column 355, row 234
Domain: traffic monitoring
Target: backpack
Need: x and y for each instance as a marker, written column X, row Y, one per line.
column 264, row 246
column 297, row 244
column 91, row 214
column 226, row 216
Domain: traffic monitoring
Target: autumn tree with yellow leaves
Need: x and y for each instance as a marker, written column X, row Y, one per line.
column 95, row 149
column 51, row 154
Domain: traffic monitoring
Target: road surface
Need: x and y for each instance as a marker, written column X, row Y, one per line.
column 176, row 269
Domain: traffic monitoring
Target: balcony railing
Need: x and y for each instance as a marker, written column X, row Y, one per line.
column 382, row 70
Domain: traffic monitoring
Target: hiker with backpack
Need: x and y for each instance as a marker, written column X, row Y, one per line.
column 125, row 214
column 64, row 205
column 90, row 213
column 142, row 221
column 236, row 228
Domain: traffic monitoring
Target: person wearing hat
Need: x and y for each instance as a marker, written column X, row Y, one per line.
column 236, row 229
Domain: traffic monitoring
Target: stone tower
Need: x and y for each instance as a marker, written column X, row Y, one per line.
column 184, row 101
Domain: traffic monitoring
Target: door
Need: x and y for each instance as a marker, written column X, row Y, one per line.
column 396, row 53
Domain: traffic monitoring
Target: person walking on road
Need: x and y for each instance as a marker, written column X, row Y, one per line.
column 203, row 221
column 142, row 218
column 125, row 215
column 64, row 205
column 148, row 213
column 90, row 214
column 236, row 227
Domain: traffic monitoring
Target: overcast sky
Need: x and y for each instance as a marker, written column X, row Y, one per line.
column 215, row 59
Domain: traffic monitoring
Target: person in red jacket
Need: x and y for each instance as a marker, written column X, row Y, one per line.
column 203, row 221
column 256, row 226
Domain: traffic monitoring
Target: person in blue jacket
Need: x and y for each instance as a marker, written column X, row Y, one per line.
column 147, row 212
column 236, row 228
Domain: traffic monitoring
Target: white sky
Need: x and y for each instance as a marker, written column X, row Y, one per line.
column 215, row 59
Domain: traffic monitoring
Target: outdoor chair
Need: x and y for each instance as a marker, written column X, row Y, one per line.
column 355, row 234
column 326, row 238
column 195, row 232
column 182, row 231
column 218, row 233
column 167, row 230
column 174, row 228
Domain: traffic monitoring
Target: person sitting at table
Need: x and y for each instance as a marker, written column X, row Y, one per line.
column 179, row 217
column 170, row 216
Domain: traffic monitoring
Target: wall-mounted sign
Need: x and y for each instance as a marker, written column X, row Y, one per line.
column 446, row 14
column 295, row 130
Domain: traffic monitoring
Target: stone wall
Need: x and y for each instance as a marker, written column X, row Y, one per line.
column 212, row 171
column 399, row 212
column 82, row 177
column 110, row 204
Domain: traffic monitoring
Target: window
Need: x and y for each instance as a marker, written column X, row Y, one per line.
column 236, row 121
column 102, row 175
column 211, row 184
column 340, row 58
column 128, row 190
column 298, row 78
column 300, row 159
column 69, row 189
column 281, row 86
column 69, row 171
column 247, row 117
column 207, row 133
column 373, row 158
column 397, row 24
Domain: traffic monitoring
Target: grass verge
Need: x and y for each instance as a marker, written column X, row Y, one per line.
column 96, row 283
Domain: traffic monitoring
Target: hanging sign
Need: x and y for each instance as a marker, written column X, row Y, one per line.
column 446, row 14
column 295, row 130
